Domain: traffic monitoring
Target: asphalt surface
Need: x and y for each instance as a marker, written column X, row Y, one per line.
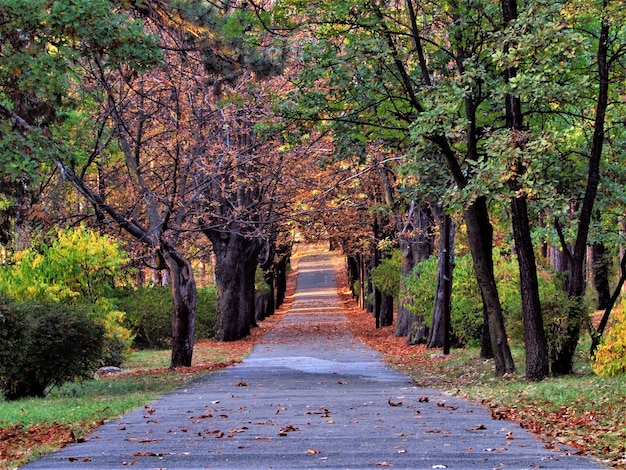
column 310, row 396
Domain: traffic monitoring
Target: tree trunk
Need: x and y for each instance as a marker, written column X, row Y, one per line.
column 534, row 335
column 600, row 263
column 281, row 279
column 353, row 273
column 480, row 238
column 377, row 297
column 437, row 332
column 536, row 344
column 569, row 334
column 247, row 291
column 403, row 320
column 486, row 351
column 235, row 289
column 386, row 310
column 270, row 298
column 184, row 295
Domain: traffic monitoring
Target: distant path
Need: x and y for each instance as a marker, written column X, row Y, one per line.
column 310, row 396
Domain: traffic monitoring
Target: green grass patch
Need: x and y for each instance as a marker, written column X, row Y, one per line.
column 91, row 400
column 81, row 406
column 581, row 410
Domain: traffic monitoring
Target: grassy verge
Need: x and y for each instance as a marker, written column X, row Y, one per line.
column 32, row 427
column 581, row 410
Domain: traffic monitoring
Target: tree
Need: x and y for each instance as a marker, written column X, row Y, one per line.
column 537, row 366
column 565, row 87
column 372, row 78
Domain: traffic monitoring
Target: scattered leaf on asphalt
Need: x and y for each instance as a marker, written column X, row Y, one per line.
column 478, row 427
column 287, row 429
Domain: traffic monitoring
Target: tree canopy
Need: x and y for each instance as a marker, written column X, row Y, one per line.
column 190, row 127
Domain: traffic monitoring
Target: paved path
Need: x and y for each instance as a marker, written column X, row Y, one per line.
column 310, row 396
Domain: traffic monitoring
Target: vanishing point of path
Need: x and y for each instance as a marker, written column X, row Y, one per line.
column 310, row 396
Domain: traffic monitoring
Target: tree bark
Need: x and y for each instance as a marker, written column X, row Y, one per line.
column 386, row 310
column 184, row 295
column 535, row 341
column 234, row 275
column 437, row 332
column 480, row 238
column 536, row 344
column 403, row 319
column 600, row 263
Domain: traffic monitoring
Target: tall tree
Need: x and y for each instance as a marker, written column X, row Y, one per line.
column 379, row 74
column 535, row 341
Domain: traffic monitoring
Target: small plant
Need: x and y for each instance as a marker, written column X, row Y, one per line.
column 610, row 357
column 45, row 345
column 386, row 276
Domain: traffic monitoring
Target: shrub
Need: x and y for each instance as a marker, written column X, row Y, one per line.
column 386, row 276
column 148, row 314
column 467, row 305
column 420, row 286
column 43, row 345
column 610, row 357
column 77, row 267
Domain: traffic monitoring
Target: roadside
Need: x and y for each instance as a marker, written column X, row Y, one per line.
column 20, row 443
column 597, row 428
column 582, row 411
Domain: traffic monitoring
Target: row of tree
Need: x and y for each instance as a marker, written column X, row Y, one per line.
column 191, row 125
column 474, row 108
column 148, row 111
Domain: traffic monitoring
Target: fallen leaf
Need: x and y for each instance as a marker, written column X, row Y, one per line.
column 287, row 429
column 391, row 403
column 478, row 427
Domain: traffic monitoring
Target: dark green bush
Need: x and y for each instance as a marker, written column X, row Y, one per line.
column 45, row 345
column 149, row 315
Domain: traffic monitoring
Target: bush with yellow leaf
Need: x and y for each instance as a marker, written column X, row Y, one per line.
column 610, row 357
column 76, row 266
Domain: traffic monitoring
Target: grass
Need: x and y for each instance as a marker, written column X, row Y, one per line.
column 32, row 427
column 581, row 410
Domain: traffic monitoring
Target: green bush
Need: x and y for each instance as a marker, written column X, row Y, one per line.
column 386, row 276
column 420, row 286
column 45, row 345
column 78, row 267
column 467, row 313
column 148, row 314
